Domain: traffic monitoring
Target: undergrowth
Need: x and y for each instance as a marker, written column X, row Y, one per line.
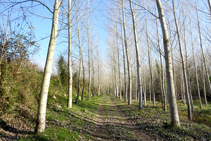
column 19, row 98
column 67, row 124
column 155, row 122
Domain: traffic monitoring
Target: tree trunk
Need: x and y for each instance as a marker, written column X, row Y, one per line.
column 98, row 93
column 204, row 83
column 161, row 69
column 128, row 58
column 41, row 115
column 119, row 74
column 114, row 73
column 150, row 67
column 79, row 69
column 116, row 64
column 145, row 94
column 182, row 90
column 165, row 92
column 69, row 102
column 89, row 59
column 172, row 56
column 150, row 92
column 186, row 60
column 125, row 78
column 82, row 96
column 93, row 77
column 209, row 5
column 120, row 97
column 170, row 82
column 137, row 58
column 202, row 51
column 183, row 66
column 196, row 74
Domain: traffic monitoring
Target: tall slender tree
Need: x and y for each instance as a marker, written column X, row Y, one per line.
column 169, row 74
column 124, row 64
column 82, row 96
column 128, row 58
column 183, row 66
column 150, row 66
column 80, row 59
column 69, row 103
column 202, row 51
column 89, row 56
column 163, row 95
column 196, row 73
column 137, row 58
column 41, row 115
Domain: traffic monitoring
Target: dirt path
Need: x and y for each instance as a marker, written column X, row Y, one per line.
column 112, row 124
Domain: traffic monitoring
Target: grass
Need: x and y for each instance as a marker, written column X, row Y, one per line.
column 67, row 124
column 156, row 122
column 201, row 116
column 111, row 113
column 19, row 100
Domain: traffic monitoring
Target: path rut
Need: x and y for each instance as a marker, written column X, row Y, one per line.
column 112, row 124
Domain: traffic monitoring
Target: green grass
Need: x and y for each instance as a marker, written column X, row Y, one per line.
column 67, row 124
column 202, row 116
column 155, row 122
column 111, row 112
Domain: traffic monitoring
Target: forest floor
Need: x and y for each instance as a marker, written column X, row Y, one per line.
column 101, row 118
column 113, row 124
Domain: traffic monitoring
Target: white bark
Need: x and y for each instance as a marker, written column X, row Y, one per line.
column 203, row 56
column 69, row 103
column 170, row 82
column 150, row 67
column 119, row 75
column 196, row 73
column 204, row 82
column 172, row 55
column 116, row 64
column 89, row 58
column 145, row 94
column 183, row 66
column 93, row 77
column 128, row 58
column 137, row 58
column 89, row 64
column 98, row 93
column 125, row 79
column 187, row 70
column 80, row 61
column 40, row 127
column 82, row 97
column 161, row 71
column 209, row 3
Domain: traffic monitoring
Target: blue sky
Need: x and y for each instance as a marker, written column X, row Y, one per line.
column 42, row 28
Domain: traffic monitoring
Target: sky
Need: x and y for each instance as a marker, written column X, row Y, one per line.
column 42, row 28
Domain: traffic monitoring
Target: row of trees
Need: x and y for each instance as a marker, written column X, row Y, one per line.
column 71, row 26
column 182, row 34
column 133, row 29
column 87, row 56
